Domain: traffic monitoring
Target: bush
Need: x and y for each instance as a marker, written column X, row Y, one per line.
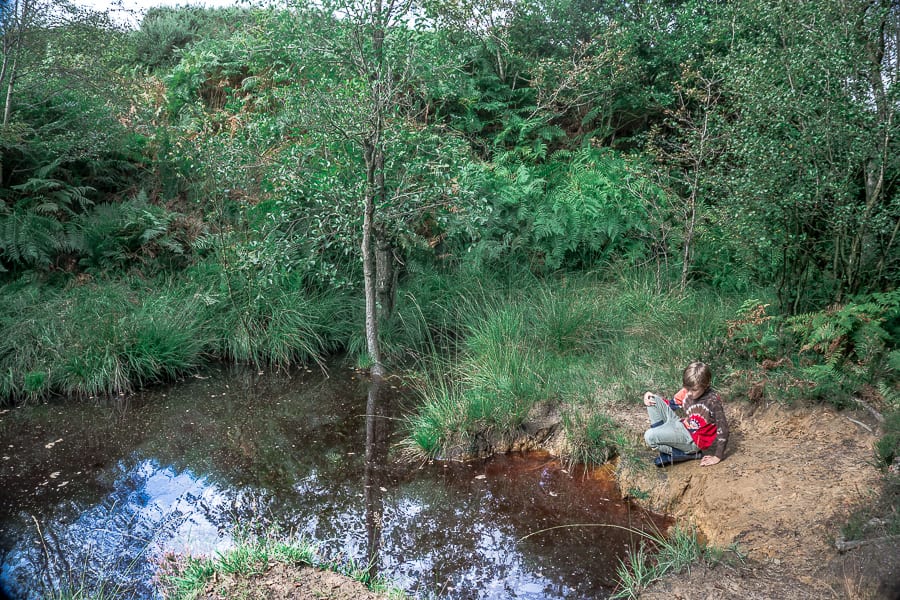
column 828, row 355
column 576, row 210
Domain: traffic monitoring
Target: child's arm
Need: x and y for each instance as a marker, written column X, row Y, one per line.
column 718, row 414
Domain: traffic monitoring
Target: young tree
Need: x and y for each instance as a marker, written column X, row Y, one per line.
column 17, row 26
column 688, row 152
column 371, row 60
column 876, row 29
column 51, row 50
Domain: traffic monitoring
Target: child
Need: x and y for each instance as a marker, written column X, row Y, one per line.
column 703, row 426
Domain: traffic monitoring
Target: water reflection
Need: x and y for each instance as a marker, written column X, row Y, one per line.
column 378, row 431
column 182, row 467
column 118, row 542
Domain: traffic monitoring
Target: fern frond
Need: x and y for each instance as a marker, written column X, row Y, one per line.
column 29, row 239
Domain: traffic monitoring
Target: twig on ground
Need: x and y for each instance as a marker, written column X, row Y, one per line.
column 843, row 546
column 863, row 425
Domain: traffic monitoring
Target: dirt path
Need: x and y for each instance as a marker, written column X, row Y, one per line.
column 789, row 480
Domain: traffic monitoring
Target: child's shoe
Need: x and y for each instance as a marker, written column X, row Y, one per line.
column 677, row 456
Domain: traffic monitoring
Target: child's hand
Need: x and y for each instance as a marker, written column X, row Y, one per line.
column 649, row 399
column 708, row 461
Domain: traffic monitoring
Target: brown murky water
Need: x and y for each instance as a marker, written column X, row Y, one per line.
column 96, row 493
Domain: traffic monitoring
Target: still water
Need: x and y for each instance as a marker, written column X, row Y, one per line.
column 102, row 492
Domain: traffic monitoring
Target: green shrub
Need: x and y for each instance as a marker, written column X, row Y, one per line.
column 827, row 355
column 574, row 210
column 113, row 237
column 887, row 449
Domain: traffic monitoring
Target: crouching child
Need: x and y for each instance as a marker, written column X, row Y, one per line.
column 702, row 430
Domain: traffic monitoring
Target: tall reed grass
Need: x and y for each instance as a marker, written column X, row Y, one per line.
column 572, row 343
column 93, row 339
column 109, row 336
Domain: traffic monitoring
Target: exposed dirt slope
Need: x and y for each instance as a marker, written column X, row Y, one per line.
column 789, row 479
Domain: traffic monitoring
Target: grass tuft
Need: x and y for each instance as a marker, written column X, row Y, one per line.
column 188, row 576
column 673, row 554
column 570, row 344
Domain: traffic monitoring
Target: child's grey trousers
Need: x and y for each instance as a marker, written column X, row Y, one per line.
column 667, row 431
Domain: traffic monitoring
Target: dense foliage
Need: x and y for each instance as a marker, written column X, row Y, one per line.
column 221, row 182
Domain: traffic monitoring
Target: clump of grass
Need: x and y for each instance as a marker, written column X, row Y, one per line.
column 672, row 554
column 593, row 438
column 250, row 557
column 437, row 420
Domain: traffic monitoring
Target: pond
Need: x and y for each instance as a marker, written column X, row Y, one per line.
column 102, row 491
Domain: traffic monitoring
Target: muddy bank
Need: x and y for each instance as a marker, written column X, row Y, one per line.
column 790, row 479
column 285, row 582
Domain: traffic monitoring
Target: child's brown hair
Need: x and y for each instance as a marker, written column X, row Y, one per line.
column 697, row 376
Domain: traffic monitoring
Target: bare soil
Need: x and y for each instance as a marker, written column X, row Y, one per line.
column 789, row 480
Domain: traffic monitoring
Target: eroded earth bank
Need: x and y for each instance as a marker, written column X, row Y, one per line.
column 789, row 481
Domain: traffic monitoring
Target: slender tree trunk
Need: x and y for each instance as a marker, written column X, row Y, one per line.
column 375, row 188
column 7, row 111
column 698, row 160
column 874, row 185
column 690, row 223
column 887, row 250
column 385, row 273
column 369, row 266
column 10, row 86
column 874, row 171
